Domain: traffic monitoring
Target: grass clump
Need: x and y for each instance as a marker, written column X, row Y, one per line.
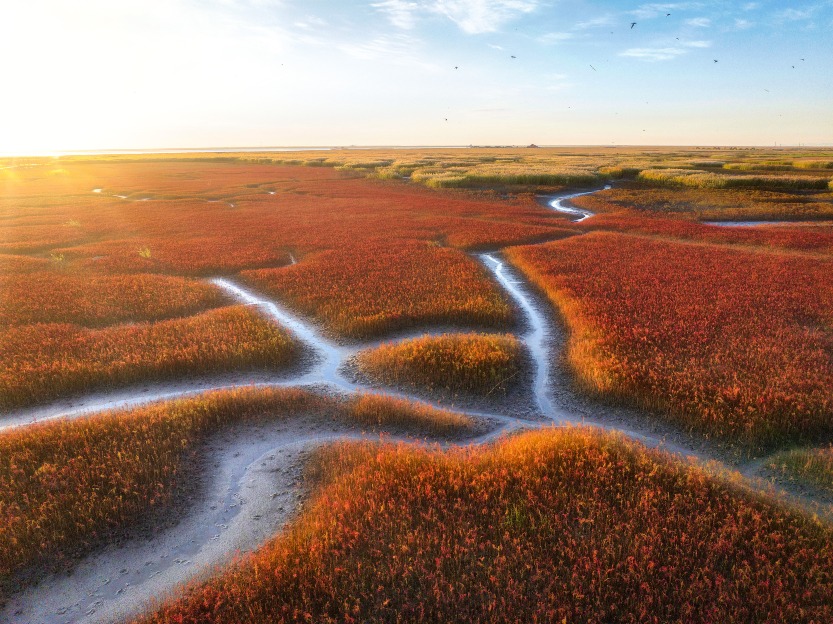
column 812, row 467
column 471, row 363
column 688, row 178
column 375, row 410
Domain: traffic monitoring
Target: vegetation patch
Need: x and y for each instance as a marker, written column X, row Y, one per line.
column 65, row 483
column 45, row 361
column 373, row 410
column 813, row 467
column 378, row 288
column 733, row 344
column 552, row 526
column 478, row 364
column 685, row 177
column 100, row 300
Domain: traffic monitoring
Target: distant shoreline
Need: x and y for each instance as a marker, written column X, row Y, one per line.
column 331, row 148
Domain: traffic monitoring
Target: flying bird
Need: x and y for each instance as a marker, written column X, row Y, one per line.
column 593, row 68
column 667, row 15
column 632, row 25
column 715, row 60
column 514, row 57
column 455, row 67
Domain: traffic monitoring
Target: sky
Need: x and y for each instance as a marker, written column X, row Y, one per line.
column 148, row 74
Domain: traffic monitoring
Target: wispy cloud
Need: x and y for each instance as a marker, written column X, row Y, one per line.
column 697, row 44
column 471, row 16
column 596, row 22
column 797, row 15
column 482, row 16
column 400, row 13
column 657, row 9
column 396, row 49
column 699, row 22
column 653, row 54
column 743, row 24
column 556, row 37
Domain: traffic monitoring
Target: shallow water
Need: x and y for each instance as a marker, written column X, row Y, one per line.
column 557, row 204
column 743, row 223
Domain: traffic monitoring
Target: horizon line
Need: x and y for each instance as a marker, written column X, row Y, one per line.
column 308, row 148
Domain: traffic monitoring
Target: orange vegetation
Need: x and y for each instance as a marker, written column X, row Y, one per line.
column 373, row 257
column 378, row 287
column 373, row 240
column 470, row 363
column 65, row 483
column 43, row 361
column 731, row 343
column 552, row 526
column 96, row 300
column 375, row 410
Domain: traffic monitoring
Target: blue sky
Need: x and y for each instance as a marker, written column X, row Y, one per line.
column 98, row 74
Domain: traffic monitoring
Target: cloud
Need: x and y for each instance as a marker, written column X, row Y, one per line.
column 697, row 44
column 596, row 22
column 400, row 13
column 653, row 54
column 699, row 22
column 797, row 15
column 471, row 16
column 482, row 16
column 656, row 9
column 742, row 24
column 751, row 6
column 556, row 37
column 396, row 49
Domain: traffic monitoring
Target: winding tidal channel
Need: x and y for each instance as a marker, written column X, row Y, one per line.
column 254, row 486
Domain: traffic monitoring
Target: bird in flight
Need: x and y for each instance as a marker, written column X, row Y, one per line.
column 455, row 67
column 514, row 57
column 593, row 68
column 667, row 15
column 715, row 60
column 632, row 25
